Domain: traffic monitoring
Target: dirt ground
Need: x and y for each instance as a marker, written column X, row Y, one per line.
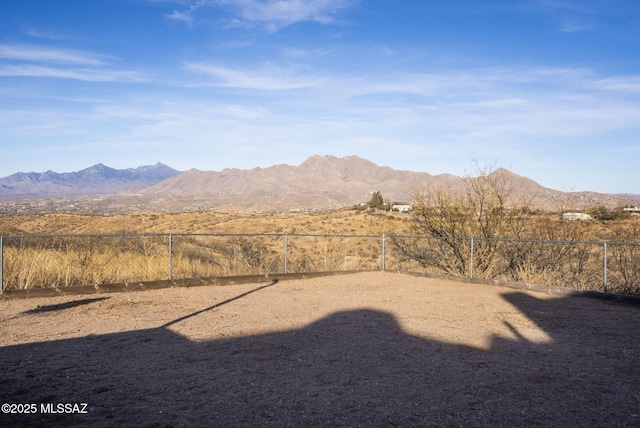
column 357, row 350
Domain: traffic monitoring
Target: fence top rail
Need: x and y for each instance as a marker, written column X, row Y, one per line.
column 535, row 241
column 143, row 235
column 313, row 235
column 86, row 235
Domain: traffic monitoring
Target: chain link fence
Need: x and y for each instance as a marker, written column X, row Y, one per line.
column 70, row 260
column 55, row 261
column 612, row 267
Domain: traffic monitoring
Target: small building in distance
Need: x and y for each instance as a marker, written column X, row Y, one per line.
column 401, row 208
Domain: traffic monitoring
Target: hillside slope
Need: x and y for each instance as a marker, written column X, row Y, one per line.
column 318, row 183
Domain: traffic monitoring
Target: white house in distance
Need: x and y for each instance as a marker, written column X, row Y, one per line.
column 401, row 208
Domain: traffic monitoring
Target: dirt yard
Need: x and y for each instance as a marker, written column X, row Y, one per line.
column 358, row 350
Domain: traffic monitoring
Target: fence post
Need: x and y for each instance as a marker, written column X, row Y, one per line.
column 382, row 263
column 170, row 257
column 1, row 265
column 286, row 250
column 604, row 284
column 471, row 261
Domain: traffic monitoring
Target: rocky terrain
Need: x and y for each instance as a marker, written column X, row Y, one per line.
column 319, row 183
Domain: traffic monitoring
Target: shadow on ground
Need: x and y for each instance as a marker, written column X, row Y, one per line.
column 354, row 368
column 63, row 306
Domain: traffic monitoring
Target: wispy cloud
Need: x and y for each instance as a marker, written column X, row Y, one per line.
column 286, row 12
column 266, row 77
column 576, row 25
column 272, row 14
column 84, row 74
column 42, row 34
column 26, row 60
column 32, row 53
column 189, row 14
column 629, row 84
column 494, row 107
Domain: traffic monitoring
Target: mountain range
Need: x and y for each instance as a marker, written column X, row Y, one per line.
column 319, row 183
column 96, row 180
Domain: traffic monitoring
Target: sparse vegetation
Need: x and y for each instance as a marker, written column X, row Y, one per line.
column 60, row 261
column 602, row 213
column 507, row 244
column 487, row 232
column 486, row 209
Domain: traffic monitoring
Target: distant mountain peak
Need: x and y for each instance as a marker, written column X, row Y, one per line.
column 316, row 159
column 330, row 160
column 97, row 179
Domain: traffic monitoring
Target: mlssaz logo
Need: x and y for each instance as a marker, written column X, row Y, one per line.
column 63, row 408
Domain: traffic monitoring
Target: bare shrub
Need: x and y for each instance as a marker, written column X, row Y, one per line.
column 623, row 261
column 510, row 241
column 486, row 208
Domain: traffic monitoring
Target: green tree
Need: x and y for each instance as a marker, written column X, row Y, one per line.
column 376, row 201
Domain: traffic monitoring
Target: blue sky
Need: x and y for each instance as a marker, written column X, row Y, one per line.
column 549, row 89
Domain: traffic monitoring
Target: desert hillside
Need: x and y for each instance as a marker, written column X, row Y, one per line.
column 319, row 183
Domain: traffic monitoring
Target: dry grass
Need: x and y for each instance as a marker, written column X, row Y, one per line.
column 330, row 222
column 37, row 267
column 60, row 262
column 72, row 260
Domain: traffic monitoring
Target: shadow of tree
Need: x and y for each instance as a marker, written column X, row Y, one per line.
column 217, row 305
column 352, row 368
column 63, row 306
